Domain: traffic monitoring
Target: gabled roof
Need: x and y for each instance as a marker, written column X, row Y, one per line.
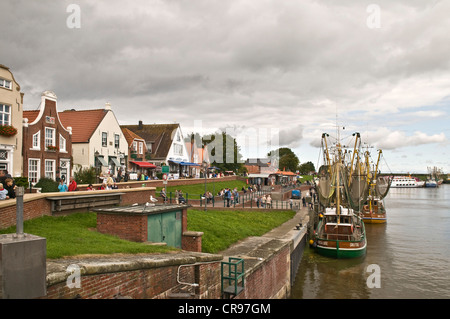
column 83, row 123
column 30, row 115
column 130, row 136
column 161, row 135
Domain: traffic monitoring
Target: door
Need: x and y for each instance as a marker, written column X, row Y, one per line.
column 166, row 228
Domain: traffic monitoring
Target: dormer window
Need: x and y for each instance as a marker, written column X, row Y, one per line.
column 49, row 137
column 37, row 140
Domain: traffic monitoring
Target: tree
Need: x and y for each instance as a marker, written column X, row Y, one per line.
column 224, row 152
column 306, row 168
column 287, row 159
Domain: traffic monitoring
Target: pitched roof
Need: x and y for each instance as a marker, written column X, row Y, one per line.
column 30, row 115
column 159, row 134
column 83, row 123
column 130, row 136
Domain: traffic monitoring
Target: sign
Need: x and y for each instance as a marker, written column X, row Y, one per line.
column 165, row 179
column 165, row 169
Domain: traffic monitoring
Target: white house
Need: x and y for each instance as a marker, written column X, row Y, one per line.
column 97, row 139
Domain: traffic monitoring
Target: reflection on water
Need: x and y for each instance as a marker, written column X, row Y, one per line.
column 412, row 250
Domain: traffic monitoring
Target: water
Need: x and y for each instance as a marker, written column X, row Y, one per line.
column 412, row 251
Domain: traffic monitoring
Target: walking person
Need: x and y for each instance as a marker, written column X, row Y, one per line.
column 228, row 196
column 269, row 201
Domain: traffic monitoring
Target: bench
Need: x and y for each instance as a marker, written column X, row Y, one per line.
column 73, row 202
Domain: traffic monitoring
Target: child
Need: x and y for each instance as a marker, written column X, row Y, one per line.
column 3, row 193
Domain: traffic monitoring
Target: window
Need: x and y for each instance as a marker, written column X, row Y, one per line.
column 149, row 147
column 5, row 114
column 135, row 146
column 49, row 137
column 33, row 170
column 50, row 169
column 116, row 140
column 62, row 143
column 37, row 140
column 141, row 148
column 178, row 149
column 5, row 84
column 104, row 139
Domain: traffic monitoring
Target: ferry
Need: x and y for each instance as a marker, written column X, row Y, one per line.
column 406, row 182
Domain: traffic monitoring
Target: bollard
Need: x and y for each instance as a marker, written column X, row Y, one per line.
column 19, row 210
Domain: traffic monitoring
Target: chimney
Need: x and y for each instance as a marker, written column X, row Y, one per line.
column 108, row 106
column 140, row 126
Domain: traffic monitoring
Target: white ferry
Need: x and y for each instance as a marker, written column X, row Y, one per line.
column 406, row 181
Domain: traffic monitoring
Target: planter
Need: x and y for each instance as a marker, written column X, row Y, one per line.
column 7, row 130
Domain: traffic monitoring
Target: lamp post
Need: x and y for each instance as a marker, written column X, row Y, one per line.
column 205, row 172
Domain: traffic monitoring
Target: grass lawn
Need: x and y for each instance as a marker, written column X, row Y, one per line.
column 75, row 235
column 196, row 189
column 223, row 228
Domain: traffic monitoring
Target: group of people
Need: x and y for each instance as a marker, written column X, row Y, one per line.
column 7, row 186
column 62, row 187
column 264, row 201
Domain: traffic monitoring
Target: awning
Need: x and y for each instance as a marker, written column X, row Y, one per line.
column 144, row 164
column 115, row 161
column 102, row 161
column 189, row 164
column 258, row 175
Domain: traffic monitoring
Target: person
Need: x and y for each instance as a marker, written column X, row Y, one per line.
column 304, row 201
column 291, row 202
column 228, row 196
column 104, row 185
column 72, row 185
column 257, row 200
column 10, row 186
column 90, row 188
column 269, row 201
column 3, row 193
column 62, row 187
column 177, row 195
column 163, row 195
column 263, row 201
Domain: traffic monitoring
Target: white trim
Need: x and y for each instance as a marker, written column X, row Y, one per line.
column 54, row 168
column 38, row 166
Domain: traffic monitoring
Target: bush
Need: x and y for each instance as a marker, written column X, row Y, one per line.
column 86, row 176
column 21, row 181
column 47, row 185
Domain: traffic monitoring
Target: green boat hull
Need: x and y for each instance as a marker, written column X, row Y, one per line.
column 340, row 253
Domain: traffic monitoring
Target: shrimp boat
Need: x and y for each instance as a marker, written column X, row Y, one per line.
column 374, row 211
column 340, row 232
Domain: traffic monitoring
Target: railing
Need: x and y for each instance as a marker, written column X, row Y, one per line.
column 246, row 200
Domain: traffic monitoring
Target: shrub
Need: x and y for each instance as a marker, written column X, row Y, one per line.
column 47, row 185
column 21, row 181
column 86, row 175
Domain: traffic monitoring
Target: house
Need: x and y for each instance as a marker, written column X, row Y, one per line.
column 196, row 155
column 137, row 155
column 97, row 140
column 11, row 109
column 165, row 146
column 47, row 143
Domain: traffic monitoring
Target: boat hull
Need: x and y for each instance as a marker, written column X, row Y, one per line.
column 341, row 249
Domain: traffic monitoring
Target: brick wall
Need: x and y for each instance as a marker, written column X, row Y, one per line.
column 128, row 227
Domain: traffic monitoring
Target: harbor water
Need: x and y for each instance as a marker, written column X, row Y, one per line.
column 408, row 257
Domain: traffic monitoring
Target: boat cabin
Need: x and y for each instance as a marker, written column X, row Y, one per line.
column 338, row 230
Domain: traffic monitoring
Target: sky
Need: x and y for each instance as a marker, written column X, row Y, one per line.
column 286, row 71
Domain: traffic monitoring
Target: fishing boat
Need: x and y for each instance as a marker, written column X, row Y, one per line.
column 374, row 211
column 340, row 232
column 406, row 182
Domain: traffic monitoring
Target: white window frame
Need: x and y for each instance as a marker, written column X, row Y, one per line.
column 3, row 113
column 116, row 140
column 178, row 149
column 135, row 146
column 105, row 135
column 36, row 142
column 3, row 84
column 141, row 148
column 37, row 171
column 62, row 144
column 50, row 174
column 53, row 138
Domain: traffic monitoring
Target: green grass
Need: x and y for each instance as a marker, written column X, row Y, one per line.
column 196, row 189
column 223, row 228
column 75, row 235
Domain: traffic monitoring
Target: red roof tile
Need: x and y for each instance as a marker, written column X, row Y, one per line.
column 30, row 115
column 83, row 123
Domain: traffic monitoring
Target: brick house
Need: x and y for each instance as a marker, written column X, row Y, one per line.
column 138, row 154
column 47, row 144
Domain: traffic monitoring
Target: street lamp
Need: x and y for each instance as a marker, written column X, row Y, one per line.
column 205, row 172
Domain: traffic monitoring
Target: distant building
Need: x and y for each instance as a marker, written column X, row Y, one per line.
column 97, row 139
column 47, row 144
column 165, row 145
column 138, row 154
column 11, row 109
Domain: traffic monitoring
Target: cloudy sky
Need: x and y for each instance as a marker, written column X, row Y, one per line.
column 290, row 68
